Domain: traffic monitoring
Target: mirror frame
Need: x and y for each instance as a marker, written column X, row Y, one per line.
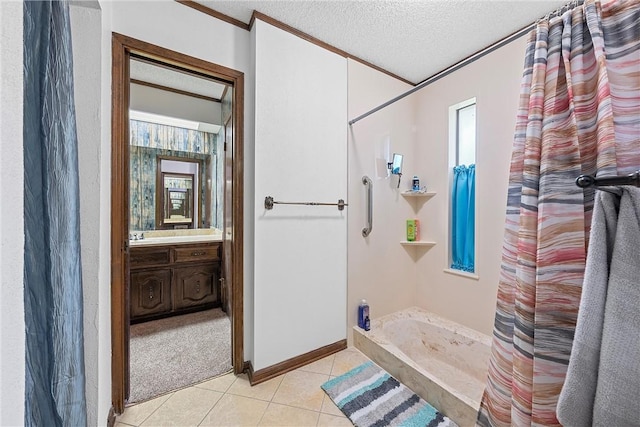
column 163, row 195
column 160, row 193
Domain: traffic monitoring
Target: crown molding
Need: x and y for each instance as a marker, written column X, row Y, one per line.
column 288, row 28
column 221, row 16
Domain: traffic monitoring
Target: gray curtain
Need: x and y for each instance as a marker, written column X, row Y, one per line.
column 54, row 383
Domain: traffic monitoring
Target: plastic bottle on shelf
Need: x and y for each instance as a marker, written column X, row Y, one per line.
column 363, row 315
column 415, row 184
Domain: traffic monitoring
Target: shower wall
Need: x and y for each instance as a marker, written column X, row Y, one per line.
column 379, row 268
column 494, row 81
column 388, row 275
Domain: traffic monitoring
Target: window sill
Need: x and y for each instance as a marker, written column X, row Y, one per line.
column 462, row 274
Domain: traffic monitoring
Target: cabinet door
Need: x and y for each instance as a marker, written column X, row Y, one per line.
column 195, row 285
column 150, row 292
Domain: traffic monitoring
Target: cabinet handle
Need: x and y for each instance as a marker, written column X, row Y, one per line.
column 150, row 292
column 198, row 253
column 198, row 287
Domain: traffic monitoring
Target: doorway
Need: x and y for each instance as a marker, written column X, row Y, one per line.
column 186, row 211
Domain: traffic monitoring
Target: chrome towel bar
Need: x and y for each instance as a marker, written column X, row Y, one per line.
column 269, row 202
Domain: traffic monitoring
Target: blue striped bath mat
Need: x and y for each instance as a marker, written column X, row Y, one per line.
column 369, row 396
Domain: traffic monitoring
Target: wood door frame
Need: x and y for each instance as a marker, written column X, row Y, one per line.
column 122, row 48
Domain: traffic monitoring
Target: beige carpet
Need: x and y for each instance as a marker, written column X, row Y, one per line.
column 172, row 353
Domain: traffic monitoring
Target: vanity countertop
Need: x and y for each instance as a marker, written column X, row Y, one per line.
column 176, row 240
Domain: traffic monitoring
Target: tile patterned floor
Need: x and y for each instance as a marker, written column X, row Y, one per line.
column 292, row 399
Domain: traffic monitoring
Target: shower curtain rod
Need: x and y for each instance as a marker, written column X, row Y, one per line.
column 470, row 59
column 449, row 70
column 586, row 181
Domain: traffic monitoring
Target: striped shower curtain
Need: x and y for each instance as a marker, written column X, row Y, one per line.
column 578, row 114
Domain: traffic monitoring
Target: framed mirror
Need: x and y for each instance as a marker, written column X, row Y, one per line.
column 396, row 164
column 175, row 127
column 177, row 200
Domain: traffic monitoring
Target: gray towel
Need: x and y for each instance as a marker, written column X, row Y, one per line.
column 602, row 387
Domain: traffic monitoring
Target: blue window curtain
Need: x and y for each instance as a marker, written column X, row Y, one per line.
column 54, row 371
column 463, row 218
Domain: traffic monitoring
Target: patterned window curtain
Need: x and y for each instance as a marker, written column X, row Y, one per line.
column 463, row 218
column 54, row 362
column 578, row 114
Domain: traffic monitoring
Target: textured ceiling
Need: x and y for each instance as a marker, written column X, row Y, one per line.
column 413, row 39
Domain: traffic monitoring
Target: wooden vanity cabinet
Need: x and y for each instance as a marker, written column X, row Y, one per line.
column 150, row 292
column 169, row 280
column 194, row 286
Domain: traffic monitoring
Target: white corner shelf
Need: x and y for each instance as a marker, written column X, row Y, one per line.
column 418, row 243
column 417, row 194
column 417, row 199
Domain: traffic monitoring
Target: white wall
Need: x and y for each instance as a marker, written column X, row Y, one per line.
column 104, row 224
column 86, row 42
column 300, row 155
column 495, row 82
column 380, row 269
column 12, row 334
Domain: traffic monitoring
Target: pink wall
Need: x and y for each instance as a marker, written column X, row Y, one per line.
column 379, row 268
column 494, row 81
column 388, row 275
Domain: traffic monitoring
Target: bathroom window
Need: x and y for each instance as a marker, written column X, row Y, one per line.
column 462, row 162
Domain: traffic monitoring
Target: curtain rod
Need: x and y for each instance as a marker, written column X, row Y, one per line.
column 449, row 70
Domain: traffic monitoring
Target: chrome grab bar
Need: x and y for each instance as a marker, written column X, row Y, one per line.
column 269, row 202
column 367, row 230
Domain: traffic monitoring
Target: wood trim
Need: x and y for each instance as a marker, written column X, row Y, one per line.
column 111, row 417
column 249, row 370
column 296, row 32
column 318, row 42
column 178, row 60
column 221, row 16
column 119, row 222
column 174, row 90
column 266, row 18
column 273, row 371
column 237, row 290
column 122, row 48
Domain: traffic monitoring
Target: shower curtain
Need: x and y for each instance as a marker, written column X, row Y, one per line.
column 54, row 363
column 463, row 214
column 578, row 114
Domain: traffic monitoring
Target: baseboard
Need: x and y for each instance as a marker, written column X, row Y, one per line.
column 248, row 368
column 273, row 371
column 111, row 418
